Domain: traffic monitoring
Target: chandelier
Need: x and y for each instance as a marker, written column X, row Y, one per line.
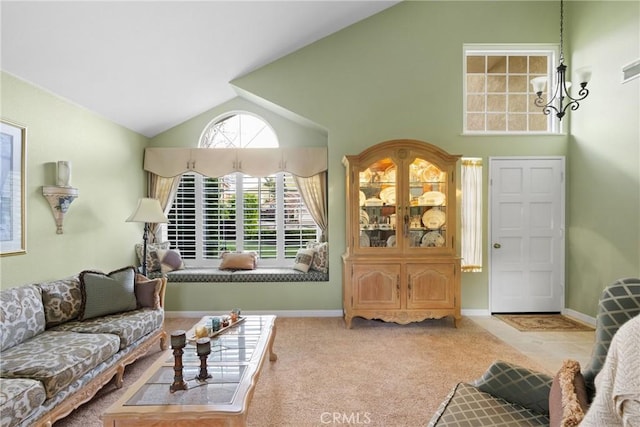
column 561, row 99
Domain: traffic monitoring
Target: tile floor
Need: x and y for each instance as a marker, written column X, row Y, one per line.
column 549, row 349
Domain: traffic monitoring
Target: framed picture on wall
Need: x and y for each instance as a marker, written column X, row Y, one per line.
column 13, row 139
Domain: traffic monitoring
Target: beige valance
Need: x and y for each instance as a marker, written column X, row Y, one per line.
column 213, row 162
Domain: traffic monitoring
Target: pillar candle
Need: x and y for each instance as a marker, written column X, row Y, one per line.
column 203, row 346
column 63, row 173
column 178, row 338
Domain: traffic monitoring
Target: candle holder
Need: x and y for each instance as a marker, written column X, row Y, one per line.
column 203, row 347
column 178, row 342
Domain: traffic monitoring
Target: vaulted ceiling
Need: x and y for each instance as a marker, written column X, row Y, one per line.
column 150, row 65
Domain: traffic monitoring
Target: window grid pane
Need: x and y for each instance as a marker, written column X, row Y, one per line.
column 498, row 95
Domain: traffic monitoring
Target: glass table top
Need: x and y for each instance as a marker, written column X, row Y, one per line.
column 234, row 356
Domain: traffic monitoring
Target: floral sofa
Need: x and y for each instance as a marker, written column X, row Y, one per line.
column 62, row 340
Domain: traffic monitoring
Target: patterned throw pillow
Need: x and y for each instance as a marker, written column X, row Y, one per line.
column 21, row 315
column 104, row 294
column 304, row 259
column 238, row 261
column 169, row 260
column 321, row 257
column 147, row 292
column 62, row 300
column 152, row 260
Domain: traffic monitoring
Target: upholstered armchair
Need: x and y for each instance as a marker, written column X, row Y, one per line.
column 510, row 395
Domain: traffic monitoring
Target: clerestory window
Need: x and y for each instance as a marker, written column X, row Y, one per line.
column 239, row 212
column 498, row 96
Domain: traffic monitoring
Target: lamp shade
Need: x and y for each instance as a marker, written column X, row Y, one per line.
column 148, row 210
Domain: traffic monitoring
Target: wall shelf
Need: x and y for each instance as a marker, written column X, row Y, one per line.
column 59, row 198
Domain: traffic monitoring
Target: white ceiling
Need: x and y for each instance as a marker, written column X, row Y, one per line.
column 150, row 65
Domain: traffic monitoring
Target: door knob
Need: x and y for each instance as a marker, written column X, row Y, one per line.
column 497, row 245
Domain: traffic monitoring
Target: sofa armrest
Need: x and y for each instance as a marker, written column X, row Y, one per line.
column 518, row 385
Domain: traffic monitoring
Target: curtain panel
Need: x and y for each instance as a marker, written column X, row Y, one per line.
column 471, row 215
column 314, row 194
column 163, row 189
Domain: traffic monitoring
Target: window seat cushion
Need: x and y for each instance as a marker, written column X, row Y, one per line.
column 260, row 274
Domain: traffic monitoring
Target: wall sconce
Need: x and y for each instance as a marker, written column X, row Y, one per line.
column 61, row 195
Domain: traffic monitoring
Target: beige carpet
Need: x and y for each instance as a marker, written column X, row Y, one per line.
column 543, row 322
column 376, row 374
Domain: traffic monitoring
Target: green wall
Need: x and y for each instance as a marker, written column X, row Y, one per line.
column 106, row 168
column 603, row 201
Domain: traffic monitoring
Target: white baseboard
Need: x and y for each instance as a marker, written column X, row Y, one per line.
column 279, row 313
column 580, row 316
column 476, row 312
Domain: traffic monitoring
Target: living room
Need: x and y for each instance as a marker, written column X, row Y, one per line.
column 396, row 74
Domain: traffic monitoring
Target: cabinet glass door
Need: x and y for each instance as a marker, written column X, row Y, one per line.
column 377, row 199
column 427, row 218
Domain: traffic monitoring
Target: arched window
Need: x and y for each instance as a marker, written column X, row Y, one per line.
column 239, row 212
column 241, row 130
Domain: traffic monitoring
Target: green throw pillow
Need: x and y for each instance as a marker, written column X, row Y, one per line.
column 104, row 294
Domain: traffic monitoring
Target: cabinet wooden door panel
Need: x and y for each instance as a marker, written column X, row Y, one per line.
column 376, row 286
column 429, row 286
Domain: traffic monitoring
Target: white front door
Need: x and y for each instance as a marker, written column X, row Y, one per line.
column 526, row 234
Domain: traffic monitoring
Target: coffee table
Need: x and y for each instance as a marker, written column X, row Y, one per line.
column 237, row 356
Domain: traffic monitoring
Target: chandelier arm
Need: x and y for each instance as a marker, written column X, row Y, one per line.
column 583, row 94
column 547, row 109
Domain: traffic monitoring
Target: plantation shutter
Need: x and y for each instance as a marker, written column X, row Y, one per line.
column 181, row 229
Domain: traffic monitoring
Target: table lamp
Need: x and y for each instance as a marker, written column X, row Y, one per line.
column 147, row 211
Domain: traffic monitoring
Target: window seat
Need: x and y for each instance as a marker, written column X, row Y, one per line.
column 260, row 274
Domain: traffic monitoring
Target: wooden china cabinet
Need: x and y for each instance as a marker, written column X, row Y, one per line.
column 401, row 264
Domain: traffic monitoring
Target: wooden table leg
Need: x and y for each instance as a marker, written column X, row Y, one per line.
column 272, row 356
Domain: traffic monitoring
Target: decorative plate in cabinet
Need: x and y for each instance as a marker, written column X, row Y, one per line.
column 434, row 218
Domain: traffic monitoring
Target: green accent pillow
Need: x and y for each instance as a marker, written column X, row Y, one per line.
column 104, row 294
